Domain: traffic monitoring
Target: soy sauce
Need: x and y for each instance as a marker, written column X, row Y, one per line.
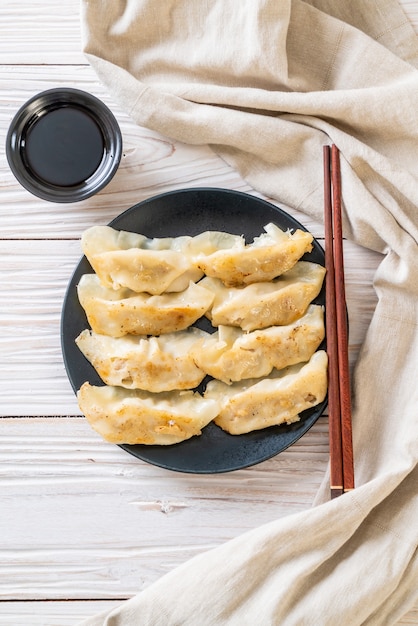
column 64, row 146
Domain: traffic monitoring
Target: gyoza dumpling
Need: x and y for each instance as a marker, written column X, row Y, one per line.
column 278, row 399
column 154, row 364
column 268, row 256
column 132, row 417
column 125, row 259
column 208, row 242
column 231, row 354
column 98, row 239
column 264, row 304
column 122, row 312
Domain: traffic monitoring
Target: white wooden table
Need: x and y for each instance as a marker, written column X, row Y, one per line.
column 83, row 524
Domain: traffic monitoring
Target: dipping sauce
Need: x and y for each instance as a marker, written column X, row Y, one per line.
column 64, row 146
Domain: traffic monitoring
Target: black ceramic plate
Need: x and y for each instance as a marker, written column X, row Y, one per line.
column 189, row 212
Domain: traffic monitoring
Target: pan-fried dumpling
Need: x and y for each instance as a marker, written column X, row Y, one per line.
column 266, row 304
column 153, row 271
column 139, row 417
column 268, row 256
column 121, row 312
column 154, row 364
column 98, row 239
column 278, row 399
column 231, row 354
column 125, row 259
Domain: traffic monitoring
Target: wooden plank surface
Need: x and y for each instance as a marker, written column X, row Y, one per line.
column 50, row 613
column 40, row 32
column 71, row 613
column 84, row 525
column 101, row 524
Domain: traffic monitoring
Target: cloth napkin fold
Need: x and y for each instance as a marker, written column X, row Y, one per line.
column 267, row 84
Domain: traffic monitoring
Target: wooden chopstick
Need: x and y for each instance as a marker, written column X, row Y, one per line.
column 342, row 326
column 339, row 396
column 335, row 440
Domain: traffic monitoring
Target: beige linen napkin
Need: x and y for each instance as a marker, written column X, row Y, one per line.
column 267, row 83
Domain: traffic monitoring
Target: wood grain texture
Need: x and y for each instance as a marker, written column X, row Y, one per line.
column 99, row 523
column 71, row 613
column 50, row 613
column 37, row 32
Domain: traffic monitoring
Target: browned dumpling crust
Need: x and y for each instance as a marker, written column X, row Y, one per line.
column 138, row 417
column 231, row 354
column 122, row 312
column 270, row 255
column 276, row 399
column 141, row 303
column 259, row 305
column 154, row 364
column 125, row 259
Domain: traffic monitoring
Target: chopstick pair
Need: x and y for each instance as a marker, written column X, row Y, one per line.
column 339, row 400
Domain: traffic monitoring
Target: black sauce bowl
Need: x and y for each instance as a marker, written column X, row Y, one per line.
column 64, row 145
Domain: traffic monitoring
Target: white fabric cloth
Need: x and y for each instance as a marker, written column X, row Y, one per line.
column 267, row 84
